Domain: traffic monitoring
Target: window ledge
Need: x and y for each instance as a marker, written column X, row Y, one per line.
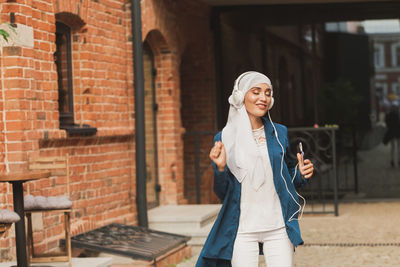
column 115, row 131
column 82, row 130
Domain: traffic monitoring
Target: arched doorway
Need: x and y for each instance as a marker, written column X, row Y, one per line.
column 151, row 107
column 162, row 77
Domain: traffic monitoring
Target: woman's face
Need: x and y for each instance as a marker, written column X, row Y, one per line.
column 257, row 100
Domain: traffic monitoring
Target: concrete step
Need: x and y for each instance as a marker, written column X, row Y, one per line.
column 182, row 218
column 195, row 221
column 198, row 238
column 189, row 220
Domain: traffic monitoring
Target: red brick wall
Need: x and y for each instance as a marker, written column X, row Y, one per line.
column 101, row 187
column 103, row 182
column 183, row 48
column 102, row 167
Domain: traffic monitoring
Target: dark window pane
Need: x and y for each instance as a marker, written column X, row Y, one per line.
column 64, row 71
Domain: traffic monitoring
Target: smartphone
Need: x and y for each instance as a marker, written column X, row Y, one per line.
column 301, row 150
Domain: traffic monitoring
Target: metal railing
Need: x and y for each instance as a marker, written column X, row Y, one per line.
column 347, row 159
column 319, row 146
column 198, row 170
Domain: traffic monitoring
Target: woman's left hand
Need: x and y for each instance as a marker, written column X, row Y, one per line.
column 305, row 166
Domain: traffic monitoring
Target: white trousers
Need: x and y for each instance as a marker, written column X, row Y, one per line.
column 278, row 249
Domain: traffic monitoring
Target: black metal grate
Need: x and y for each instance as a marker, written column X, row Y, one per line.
column 131, row 241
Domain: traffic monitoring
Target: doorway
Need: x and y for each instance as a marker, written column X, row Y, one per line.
column 152, row 185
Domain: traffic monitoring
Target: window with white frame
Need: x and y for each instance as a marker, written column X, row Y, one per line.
column 396, row 88
column 396, row 54
column 379, row 56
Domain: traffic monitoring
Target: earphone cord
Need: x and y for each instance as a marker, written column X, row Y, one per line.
column 295, row 172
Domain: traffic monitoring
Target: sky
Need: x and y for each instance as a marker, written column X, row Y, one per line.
column 381, row 26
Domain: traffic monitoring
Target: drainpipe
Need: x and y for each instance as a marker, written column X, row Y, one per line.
column 137, row 46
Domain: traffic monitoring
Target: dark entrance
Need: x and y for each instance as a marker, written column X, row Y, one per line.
column 151, row 127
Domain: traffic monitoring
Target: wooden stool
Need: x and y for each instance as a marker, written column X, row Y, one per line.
column 46, row 204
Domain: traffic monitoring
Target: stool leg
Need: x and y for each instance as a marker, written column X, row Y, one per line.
column 31, row 252
column 67, row 220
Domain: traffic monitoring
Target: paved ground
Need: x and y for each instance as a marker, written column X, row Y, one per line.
column 377, row 179
column 360, row 236
column 360, row 224
column 367, row 230
column 76, row 262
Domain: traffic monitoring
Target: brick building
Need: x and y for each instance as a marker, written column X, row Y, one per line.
column 387, row 69
column 67, row 88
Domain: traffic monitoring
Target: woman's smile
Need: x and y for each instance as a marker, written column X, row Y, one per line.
column 261, row 106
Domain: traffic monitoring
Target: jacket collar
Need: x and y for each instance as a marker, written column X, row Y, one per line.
column 269, row 129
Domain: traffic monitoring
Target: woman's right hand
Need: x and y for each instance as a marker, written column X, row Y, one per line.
column 218, row 155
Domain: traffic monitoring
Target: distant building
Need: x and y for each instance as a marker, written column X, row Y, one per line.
column 386, row 62
column 387, row 68
column 345, row 26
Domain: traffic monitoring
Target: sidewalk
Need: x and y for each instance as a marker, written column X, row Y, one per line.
column 359, row 223
column 366, row 225
column 76, row 262
column 377, row 179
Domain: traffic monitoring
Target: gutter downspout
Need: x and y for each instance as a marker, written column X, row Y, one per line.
column 137, row 46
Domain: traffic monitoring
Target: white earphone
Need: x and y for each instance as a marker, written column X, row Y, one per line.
column 295, row 172
column 272, row 100
column 237, row 82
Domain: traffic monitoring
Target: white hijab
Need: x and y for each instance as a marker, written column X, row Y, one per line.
column 242, row 154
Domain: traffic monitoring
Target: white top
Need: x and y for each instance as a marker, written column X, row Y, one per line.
column 260, row 210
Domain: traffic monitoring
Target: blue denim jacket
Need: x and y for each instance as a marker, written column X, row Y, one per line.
column 218, row 248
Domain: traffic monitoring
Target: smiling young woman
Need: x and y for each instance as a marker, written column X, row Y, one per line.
column 256, row 179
